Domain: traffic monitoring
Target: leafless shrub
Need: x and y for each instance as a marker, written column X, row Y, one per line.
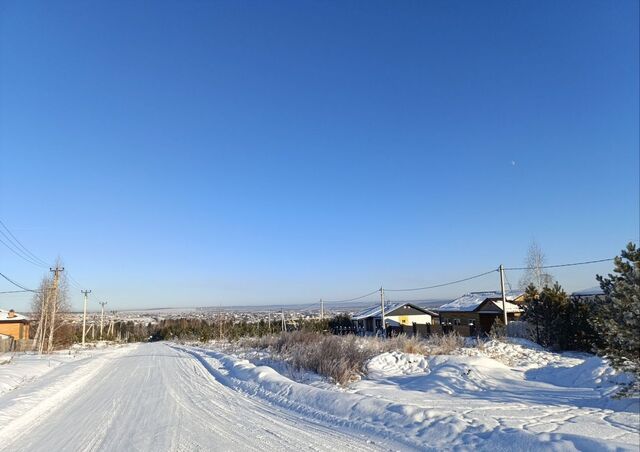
column 340, row 358
column 343, row 358
column 444, row 344
column 261, row 343
column 498, row 330
column 521, row 329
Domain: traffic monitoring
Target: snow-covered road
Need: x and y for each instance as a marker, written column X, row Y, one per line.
column 171, row 397
column 155, row 397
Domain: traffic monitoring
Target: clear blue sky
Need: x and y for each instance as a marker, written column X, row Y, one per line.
column 206, row 153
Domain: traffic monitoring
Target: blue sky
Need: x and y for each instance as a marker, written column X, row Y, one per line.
column 220, row 153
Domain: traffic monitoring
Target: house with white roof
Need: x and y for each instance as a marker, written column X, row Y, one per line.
column 474, row 313
column 14, row 324
column 402, row 317
column 590, row 293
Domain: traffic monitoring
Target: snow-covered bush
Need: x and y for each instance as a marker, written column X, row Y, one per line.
column 343, row 358
column 498, row 330
column 521, row 329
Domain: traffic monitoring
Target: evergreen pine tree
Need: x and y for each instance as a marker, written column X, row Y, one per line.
column 550, row 314
column 533, row 310
column 617, row 317
column 584, row 336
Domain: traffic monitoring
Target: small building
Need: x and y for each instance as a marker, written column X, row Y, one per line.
column 474, row 313
column 14, row 325
column 404, row 318
column 592, row 293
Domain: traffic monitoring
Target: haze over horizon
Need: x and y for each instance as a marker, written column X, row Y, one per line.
column 227, row 153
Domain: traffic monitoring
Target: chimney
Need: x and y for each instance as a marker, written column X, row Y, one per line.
column 11, row 314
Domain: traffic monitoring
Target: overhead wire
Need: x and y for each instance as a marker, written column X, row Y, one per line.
column 19, row 249
column 21, row 245
column 17, row 252
column 74, row 281
column 562, row 265
column 506, row 280
column 16, row 283
column 458, row 281
column 353, row 299
column 443, row 284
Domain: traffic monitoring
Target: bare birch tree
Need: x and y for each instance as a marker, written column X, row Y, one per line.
column 50, row 304
column 535, row 272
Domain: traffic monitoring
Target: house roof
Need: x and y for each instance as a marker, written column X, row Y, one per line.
column 376, row 311
column 471, row 301
column 4, row 316
column 590, row 292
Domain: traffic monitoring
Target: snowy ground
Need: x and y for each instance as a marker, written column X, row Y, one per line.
column 173, row 397
column 155, row 397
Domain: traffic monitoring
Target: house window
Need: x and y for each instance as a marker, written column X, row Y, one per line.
column 456, row 322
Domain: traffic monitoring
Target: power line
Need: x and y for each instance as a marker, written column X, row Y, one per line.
column 20, row 250
column 15, row 239
column 506, row 280
column 353, row 299
column 16, row 284
column 14, row 291
column 443, row 284
column 450, row 283
column 562, row 265
column 74, row 281
column 17, row 251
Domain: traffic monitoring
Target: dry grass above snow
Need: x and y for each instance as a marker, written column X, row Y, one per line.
column 343, row 358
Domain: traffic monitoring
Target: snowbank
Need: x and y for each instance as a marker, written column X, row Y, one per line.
column 516, row 352
column 452, row 401
column 396, row 363
column 15, row 370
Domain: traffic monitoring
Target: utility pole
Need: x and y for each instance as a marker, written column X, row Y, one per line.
column 384, row 327
column 269, row 322
column 504, row 296
column 321, row 309
column 56, row 275
column 40, row 331
column 84, row 315
column 102, row 303
column 284, row 325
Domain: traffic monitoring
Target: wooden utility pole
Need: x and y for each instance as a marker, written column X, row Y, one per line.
column 321, row 309
column 384, row 326
column 284, row 325
column 84, row 315
column 54, row 308
column 504, row 296
column 269, row 322
column 45, row 321
column 102, row 303
column 40, row 331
